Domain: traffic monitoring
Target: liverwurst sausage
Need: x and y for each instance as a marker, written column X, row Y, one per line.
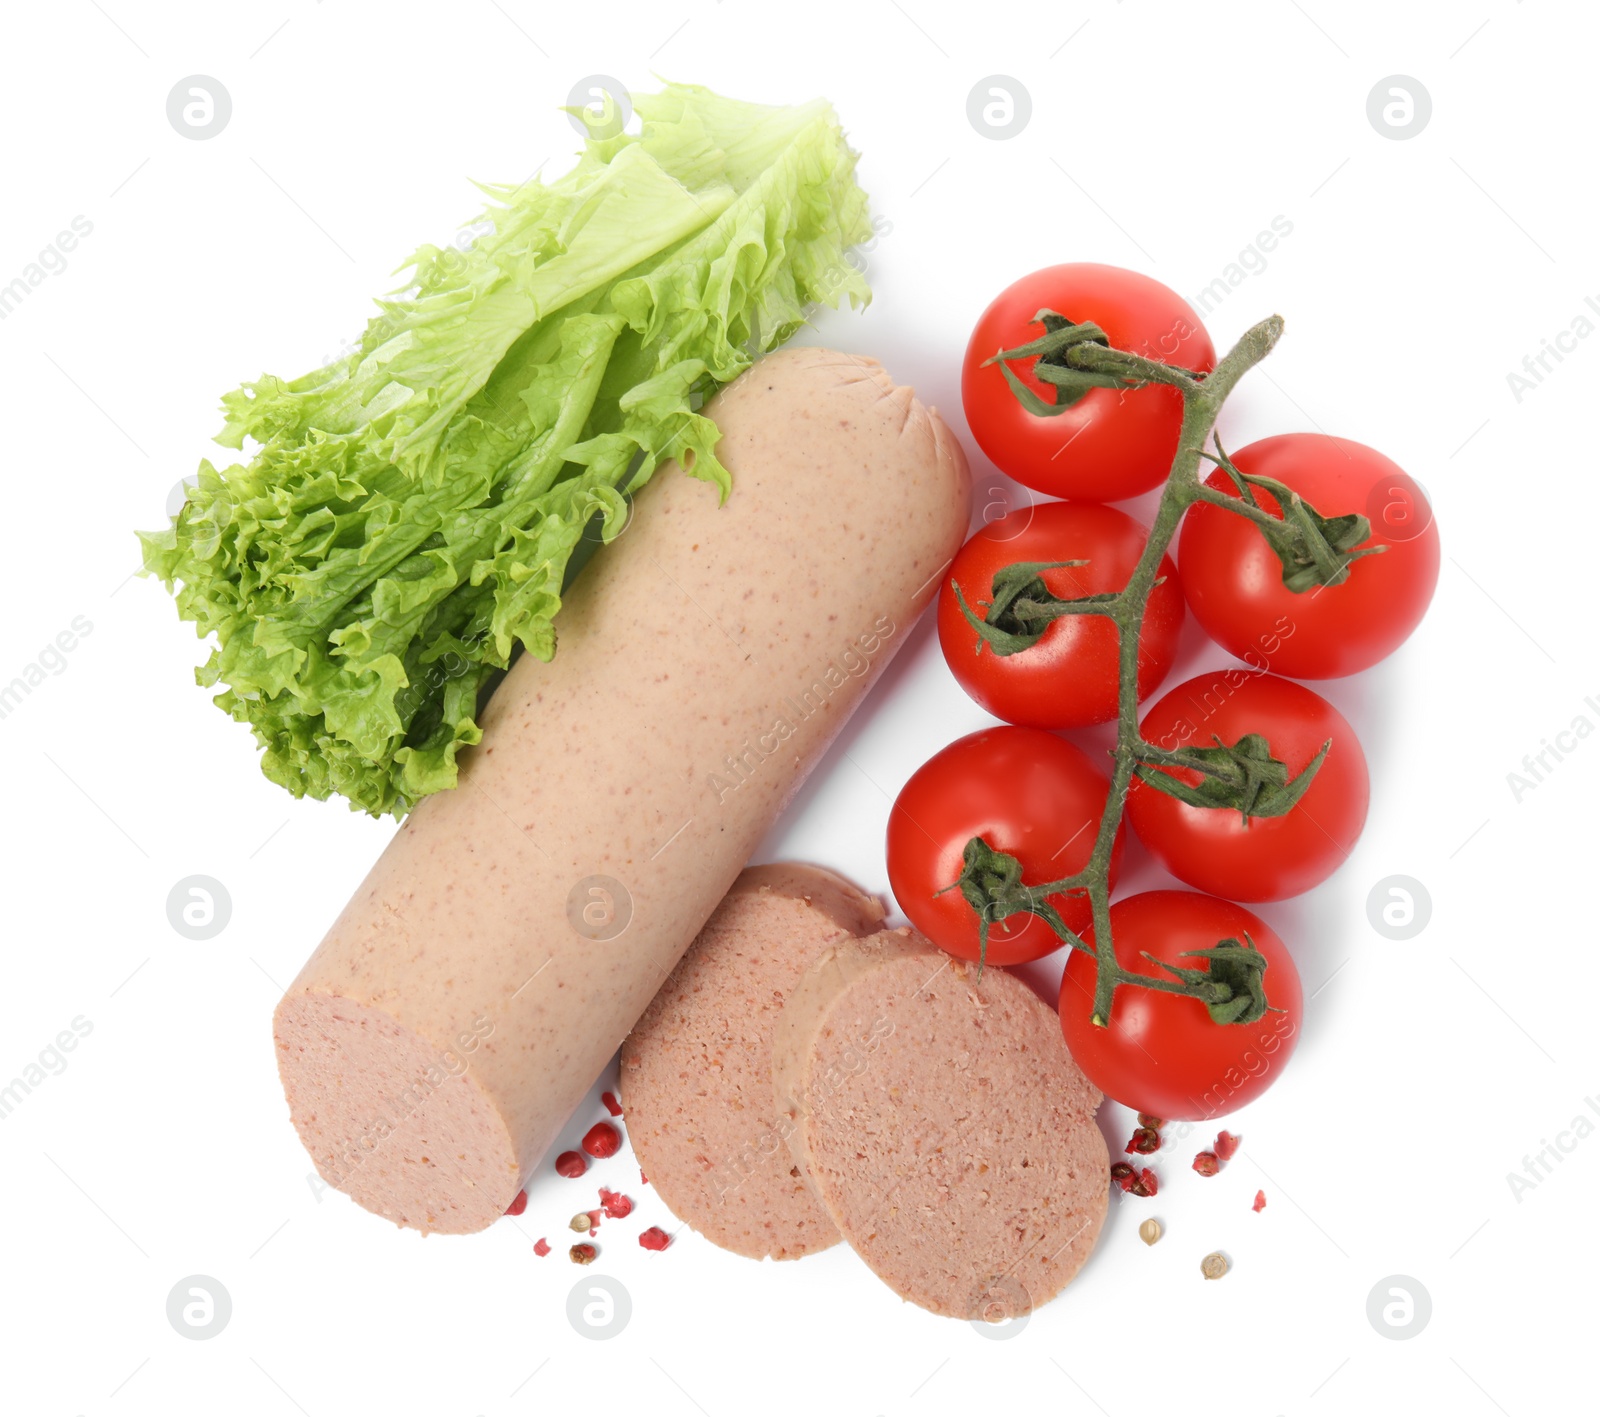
column 517, row 926
column 696, row 1071
column 942, row 1123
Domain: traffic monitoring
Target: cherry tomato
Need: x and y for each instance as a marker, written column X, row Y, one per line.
column 1069, row 677
column 1112, row 443
column 1216, row 848
column 1025, row 792
column 1162, row 1053
column 1233, row 580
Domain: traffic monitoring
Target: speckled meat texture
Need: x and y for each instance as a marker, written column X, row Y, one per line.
column 943, row 1124
column 516, row 927
column 697, row 1068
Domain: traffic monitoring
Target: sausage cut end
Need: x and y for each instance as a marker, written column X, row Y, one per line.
column 399, row 1124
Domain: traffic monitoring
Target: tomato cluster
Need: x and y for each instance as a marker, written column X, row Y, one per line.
column 1248, row 786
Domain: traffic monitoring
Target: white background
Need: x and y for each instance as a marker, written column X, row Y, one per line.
column 1163, row 137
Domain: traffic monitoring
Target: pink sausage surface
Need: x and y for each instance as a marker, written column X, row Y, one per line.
column 696, row 1072
column 516, row 927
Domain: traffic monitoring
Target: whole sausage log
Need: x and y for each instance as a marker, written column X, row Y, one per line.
column 516, row 927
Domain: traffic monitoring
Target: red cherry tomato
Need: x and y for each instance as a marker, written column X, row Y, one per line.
column 1025, row 792
column 1162, row 1053
column 1263, row 858
column 1233, row 581
column 1112, row 443
column 1069, row 677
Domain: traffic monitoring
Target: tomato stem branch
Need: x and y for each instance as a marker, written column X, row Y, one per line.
column 1230, row 988
column 1134, row 368
column 1314, row 550
column 1202, row 402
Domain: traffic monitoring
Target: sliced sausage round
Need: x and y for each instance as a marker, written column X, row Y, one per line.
column 943, row 1124
column 697, row 1068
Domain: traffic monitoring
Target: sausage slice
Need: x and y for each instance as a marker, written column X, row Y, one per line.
column 943, row 1124
column 697, row 1068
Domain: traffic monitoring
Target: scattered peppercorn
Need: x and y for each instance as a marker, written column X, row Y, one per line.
column 1144, row 1141
column 612, row 1105
column 582, row 1254
column 1150, row 1231
column 1123, row 1176
column 1206, row 1163
column 1225, row 1145
column 541, row 1247
column 519, row 1205
column 615, row 1206
column 570, row 1164
column 1214, row 1265
column 580, row 1221
column 655, row 1238
column 1260, row 1201
column 1147, row 1184
column 1146, row 1120
column 602, row 1140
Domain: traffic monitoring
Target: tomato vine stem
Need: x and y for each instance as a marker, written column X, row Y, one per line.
column 988, row 880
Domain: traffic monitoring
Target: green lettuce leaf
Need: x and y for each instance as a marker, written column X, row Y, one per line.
column 407, row 517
